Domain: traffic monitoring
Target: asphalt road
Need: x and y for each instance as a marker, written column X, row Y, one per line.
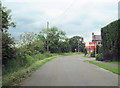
column 71, row 71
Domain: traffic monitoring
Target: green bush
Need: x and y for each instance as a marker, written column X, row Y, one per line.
column 92, row 54
column 47, row 54
column 29, row 60
column 99, row 57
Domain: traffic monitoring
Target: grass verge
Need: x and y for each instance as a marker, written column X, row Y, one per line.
column 15, row 78
column 87, row 56
column 109, row 68
column 113, row 62
column 76, row 53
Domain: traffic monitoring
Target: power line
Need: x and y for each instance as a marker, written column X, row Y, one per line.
column 68, row 7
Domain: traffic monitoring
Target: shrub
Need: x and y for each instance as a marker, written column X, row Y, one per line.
column 47, row 54
column 92, row 54
column 99, row 57
column 29, row 60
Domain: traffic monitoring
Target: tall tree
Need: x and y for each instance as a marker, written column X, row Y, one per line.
column 76, row 42
column 32, row 43
column 54, row 36
column 7, row 42
column 6, row 19
column 64, row 46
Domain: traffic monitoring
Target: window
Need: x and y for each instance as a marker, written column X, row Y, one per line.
column 99, row 42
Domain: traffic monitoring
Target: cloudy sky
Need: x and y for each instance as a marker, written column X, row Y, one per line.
column 75, row 17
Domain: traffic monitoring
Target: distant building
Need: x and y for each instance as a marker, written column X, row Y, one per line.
column 97, row 39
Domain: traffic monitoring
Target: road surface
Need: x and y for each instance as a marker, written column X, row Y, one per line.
column 71, row 71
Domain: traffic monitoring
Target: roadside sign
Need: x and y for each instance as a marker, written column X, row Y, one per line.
column 91, row 46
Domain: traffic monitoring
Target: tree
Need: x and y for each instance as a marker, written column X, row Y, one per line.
column 76, row 43
column 6, row 19
column 54, row 37
column 64, row 46
column 32, row 43
column 8, row 51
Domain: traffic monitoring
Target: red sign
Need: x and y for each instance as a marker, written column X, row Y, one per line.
column 91, row 46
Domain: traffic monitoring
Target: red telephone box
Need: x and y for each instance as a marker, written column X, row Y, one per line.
column 91, row 46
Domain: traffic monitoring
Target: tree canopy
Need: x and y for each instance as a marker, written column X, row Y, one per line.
column 77, row 43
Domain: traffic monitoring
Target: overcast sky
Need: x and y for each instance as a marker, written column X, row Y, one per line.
column 75, row 17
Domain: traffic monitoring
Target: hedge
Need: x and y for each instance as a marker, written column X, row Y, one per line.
column 110, row 40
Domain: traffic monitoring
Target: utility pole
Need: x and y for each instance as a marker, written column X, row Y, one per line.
column 47, row 36
column 78, row 45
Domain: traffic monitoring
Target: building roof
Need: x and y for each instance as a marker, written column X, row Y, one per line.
column 96, row 37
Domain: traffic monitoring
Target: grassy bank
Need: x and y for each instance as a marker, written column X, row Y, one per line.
column 15, row 77
column 114, row 70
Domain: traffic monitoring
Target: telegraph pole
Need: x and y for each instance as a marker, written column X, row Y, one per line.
column 78, row 45
column 47, row 36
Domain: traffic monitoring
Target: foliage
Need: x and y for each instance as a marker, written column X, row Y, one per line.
column 107, row 56
column 54, row 37
column 31, row 43
column 99, row 57
column 92, row 54
column 100, row 49
column 6, row 19
column 97, row 49
column 110, row 39
column 8, row 49
column 76, row 41
column 64, row 46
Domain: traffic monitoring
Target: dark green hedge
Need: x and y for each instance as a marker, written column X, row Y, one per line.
column 110, row 39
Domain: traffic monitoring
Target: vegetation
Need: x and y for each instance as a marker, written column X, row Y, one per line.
column 99, row 57
column 14, row 77
column 7, row 41
column 75, row 41
column 110, row 41
column 114, row 70
column 87, row 56
column 113, row 62
column 92, row 54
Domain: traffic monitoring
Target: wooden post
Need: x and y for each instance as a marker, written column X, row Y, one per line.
column 47, row 36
